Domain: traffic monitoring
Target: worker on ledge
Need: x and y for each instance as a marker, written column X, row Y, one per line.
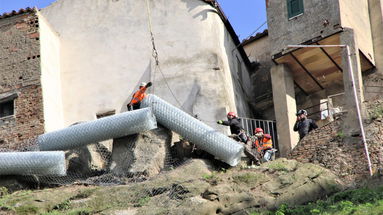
column 138, row 96
column 304, row 125
column 235, row 126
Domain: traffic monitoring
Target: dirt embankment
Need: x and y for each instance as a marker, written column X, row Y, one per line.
column 193, row 188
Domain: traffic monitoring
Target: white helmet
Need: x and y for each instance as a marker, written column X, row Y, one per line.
column 143, row 84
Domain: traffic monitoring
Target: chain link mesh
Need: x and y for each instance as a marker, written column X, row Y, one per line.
column 203, row 136
column 90, row 152
column 103, row 129
column 33, row 163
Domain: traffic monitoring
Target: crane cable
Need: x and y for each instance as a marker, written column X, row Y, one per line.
column 157, row 66
column 155, row 56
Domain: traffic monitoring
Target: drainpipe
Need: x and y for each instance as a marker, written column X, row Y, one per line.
column 354, row 92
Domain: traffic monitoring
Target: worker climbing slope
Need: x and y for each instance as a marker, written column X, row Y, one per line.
column 238, row 133
column 138, row 96
column 235, row 126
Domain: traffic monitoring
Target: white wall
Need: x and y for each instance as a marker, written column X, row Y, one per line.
column 355, row 15
column 106, row 52
column 50, row 76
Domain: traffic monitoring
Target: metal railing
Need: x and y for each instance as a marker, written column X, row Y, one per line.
column 268, row 126
column 325, row 109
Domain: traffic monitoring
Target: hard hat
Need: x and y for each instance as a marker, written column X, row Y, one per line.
column 301, row 112
column 143, row 84
column 257, row 130
column 267, row 136
column 231, row 114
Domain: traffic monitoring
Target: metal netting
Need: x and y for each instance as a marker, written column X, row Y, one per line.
column 203, row 136
column 33, row 163
column 98, row 130
column 117, row 157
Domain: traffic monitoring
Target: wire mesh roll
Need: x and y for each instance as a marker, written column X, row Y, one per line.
column 33, row 163
column 115, row 126
column 203, row 136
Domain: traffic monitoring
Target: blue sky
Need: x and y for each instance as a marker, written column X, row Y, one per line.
column 244, row 15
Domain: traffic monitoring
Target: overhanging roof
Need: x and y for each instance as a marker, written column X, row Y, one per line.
column 315, row 69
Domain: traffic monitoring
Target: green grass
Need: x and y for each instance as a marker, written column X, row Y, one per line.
column 376, row 113
column 340, row 135
column 80, row 211
column 62, row 206
column 248, row 178
column 278, row 166
column 357, row 202
column 27, row 209
column 209, row 176
column 83, row 194
column 143, row 201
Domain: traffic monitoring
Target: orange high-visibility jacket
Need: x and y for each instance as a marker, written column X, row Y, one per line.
column 264, row 144
column 138, row 96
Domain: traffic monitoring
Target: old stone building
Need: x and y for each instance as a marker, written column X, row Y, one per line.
column 78, row 60
column 21, row 102
column 303, row 78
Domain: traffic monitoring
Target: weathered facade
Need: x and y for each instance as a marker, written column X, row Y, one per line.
column 258, row 51
column 200, row 68
column 310, row 76
column 21, row 104
column 80, row 66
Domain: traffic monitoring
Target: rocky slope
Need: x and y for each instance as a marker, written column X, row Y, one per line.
column 193, row 188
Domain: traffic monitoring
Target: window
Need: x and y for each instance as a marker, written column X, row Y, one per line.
column 6, row 108
column 105, row 114
column 294, row 8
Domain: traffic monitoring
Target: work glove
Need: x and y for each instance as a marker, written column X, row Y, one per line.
column 149, row 84
column 219, row 122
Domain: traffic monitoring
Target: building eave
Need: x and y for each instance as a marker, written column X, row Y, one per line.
column 255, row 38
column 15, row 13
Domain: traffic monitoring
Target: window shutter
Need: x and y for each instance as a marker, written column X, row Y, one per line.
column 294, row 7
column 289, row 12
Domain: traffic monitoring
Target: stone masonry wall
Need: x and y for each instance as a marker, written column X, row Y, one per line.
column 328, row 147
column 20, row 77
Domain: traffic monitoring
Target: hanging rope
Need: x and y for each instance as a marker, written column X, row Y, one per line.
column 158, row 67
column 155, row 55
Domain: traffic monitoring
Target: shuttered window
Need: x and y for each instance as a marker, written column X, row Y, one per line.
column 294, row 7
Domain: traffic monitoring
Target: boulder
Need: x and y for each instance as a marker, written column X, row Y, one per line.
column 11, row 184
column 182, row 150
column 144, row 154
column 89, row 160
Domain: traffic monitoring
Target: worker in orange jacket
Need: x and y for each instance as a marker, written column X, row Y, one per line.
column 138, row 96
column 263, row 144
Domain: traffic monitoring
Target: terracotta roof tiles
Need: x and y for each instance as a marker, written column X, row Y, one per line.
column 14, row 13
column 255, row 37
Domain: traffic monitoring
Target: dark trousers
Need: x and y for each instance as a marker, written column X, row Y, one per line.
column 134, row 106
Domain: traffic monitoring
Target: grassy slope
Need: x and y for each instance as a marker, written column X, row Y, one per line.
column 364, row 201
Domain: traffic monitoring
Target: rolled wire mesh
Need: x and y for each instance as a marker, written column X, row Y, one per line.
column 98, row 130
column 203, row 136
column 33, row 163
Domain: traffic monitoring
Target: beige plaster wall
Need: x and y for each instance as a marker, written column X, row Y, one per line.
column 355, row 14
column 50, row 76
column 106, row 52
column 376, row 17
